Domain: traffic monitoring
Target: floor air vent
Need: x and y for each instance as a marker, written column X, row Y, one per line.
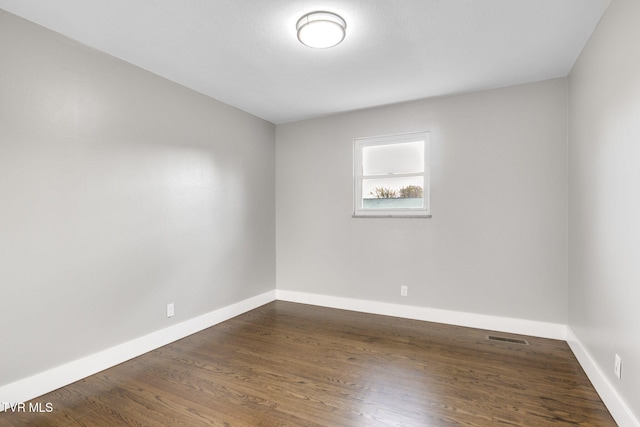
column 509, row 340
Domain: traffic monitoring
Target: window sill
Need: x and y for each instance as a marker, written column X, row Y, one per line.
column 392, row 216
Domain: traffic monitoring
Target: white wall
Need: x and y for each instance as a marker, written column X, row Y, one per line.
column 604, row 208
column 496, row 243
column 119, row 192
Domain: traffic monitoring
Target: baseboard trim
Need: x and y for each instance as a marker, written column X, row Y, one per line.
column 457, row 318
column 45, row 382
column 620, row 411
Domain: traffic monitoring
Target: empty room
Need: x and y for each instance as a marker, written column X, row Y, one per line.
column 320, row 213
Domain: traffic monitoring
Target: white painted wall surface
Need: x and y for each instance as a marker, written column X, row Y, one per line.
column 604, row 207
column 497, row 241
column 119, row 193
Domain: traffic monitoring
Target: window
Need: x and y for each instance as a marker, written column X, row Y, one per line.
column 391, row 175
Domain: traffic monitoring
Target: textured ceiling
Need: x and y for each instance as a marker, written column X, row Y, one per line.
column 245, row 52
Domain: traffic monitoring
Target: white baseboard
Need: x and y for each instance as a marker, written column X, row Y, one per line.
column 612, row 400
column 458, row 318
column 45, row 382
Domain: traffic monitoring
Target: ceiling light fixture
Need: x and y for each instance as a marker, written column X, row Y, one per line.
column 321, row 29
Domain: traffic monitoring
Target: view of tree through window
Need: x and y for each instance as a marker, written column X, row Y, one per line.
column 408, row 192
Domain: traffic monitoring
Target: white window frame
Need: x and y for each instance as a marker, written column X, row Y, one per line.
column 358, row 176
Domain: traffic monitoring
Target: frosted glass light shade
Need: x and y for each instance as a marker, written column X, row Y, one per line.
column 321, row 29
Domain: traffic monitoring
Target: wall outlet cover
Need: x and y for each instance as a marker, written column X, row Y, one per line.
column 617, row 367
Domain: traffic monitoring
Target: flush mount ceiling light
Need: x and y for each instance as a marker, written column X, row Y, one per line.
column 321, row 29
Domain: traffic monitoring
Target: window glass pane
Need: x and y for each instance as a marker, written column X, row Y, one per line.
column 406, row 157
column 393, row 193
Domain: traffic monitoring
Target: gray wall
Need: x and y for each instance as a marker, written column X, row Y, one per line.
column 119, row 192
column 604, row 208
column 497, row 242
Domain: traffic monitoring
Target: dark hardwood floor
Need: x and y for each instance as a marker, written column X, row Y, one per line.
column 288, row 364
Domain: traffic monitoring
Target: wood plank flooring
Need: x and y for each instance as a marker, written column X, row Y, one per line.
column 288, row 364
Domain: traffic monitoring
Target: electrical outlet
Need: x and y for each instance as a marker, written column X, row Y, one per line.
column 617, row 367
column 170, row 310
column 404, row 290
